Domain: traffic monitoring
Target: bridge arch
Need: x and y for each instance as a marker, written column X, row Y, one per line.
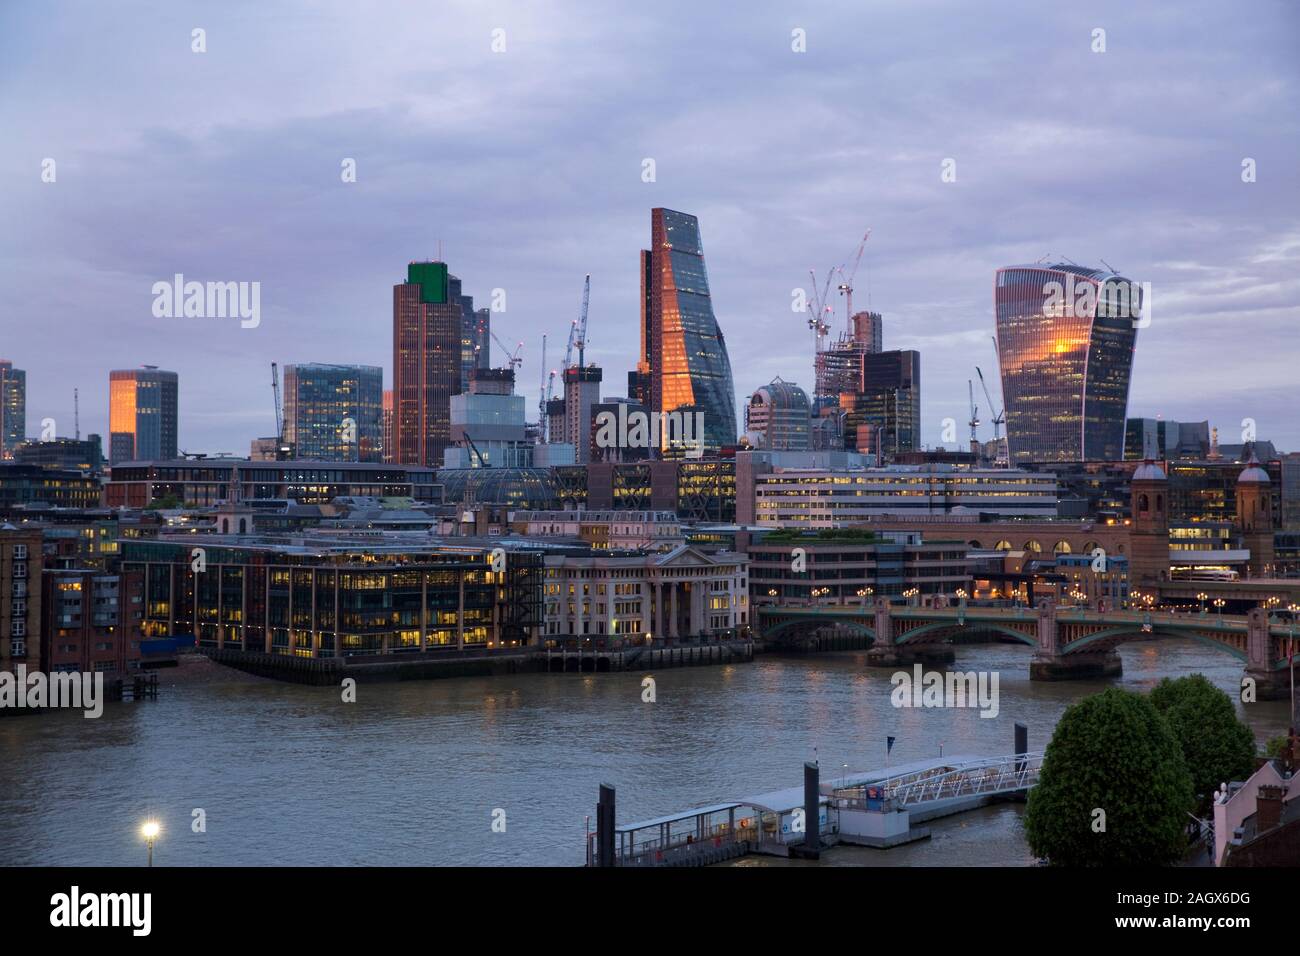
column 1134, row 632
column 790, row 625
column 955, row 628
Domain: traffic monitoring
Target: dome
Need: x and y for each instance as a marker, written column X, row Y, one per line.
column 1254, row 473
column 1149, row 471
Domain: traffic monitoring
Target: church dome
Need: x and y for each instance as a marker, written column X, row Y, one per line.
column 1149, row 471
column 1253, row 473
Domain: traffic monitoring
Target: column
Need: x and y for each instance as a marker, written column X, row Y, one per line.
column 460, row 610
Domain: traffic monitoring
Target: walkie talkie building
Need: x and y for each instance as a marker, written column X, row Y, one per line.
column 682, row 349
column 1065, row 337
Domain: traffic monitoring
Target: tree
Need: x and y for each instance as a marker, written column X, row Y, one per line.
column 1114, row 790
column 1216, row 745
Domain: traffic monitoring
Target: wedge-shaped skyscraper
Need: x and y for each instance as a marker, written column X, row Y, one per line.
column 683, row 353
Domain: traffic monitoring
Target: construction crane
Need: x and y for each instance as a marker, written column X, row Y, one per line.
column 275, row 395
column 541, row 397
column 820, row 306
column 998, row 417
column 513, row 360
column 974, row 419
column 846, row 287
column 578, row 330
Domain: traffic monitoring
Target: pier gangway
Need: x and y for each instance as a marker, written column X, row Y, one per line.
column 969, row 778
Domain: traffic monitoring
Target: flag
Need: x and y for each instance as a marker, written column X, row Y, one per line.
column 889, row 744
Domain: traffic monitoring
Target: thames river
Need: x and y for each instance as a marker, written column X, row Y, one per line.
column 414, row 773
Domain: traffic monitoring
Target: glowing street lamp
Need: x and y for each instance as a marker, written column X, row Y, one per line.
column 1202, row 596
column 1219, row 603
column 150, row 831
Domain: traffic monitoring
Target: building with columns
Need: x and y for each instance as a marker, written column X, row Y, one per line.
column 683, row 593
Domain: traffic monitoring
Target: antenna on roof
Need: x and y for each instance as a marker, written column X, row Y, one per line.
column 1070, row 261
column 1108, row 266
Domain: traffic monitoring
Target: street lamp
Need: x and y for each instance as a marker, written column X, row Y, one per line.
column 1219, row 603
column 150, row 833
column 1202, row 596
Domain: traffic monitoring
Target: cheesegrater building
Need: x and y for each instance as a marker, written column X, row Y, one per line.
column 1065, row 337
column 683, row 353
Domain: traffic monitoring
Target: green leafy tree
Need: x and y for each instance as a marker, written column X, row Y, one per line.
column 1216, row 745
column 1114, row 790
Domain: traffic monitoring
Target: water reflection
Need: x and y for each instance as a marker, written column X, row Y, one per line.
column 411, row 772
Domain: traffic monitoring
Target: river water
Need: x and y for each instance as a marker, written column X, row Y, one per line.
column 412, row 772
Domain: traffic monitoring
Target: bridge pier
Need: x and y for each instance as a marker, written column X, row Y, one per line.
column 1270, row 683
column 1075, row 666
column 904, row 655
column 885, row 653
column 1050, row 662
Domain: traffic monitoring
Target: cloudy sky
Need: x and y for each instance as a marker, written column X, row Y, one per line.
column 525, row 167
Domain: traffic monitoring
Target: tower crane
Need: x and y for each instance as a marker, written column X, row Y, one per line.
column 541, row 397
column 846, row 287
column 275, row 395
column 998, row 417
column 974, row 418
column 818, row 321
column 578, row 331
column 513, row 360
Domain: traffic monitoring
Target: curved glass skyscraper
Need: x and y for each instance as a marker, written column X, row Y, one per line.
column 1065, row 336
column 682, row 349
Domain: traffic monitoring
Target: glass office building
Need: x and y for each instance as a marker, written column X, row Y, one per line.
column 13, row 408
column 142, row 414
column 334, row 412
column 1065, row 337
column 682, row 348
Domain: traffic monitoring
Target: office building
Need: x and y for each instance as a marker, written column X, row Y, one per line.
column 334, row 412
column 66, row 453
column 832, row 498
column 142, row 414
column 13, row 408
column 24, row 485
column 487, row 424
column 387, row 420
column 604, row 530
column 332, row 594
column 214, row 480
column 581, row 396
column 853, row 567
column 427, row 362
column 1161, row 440
column 620, row 412
column 1065, row 337
column 883, row 417
column 475, row 336
column 778, row 417
column 683, row 352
